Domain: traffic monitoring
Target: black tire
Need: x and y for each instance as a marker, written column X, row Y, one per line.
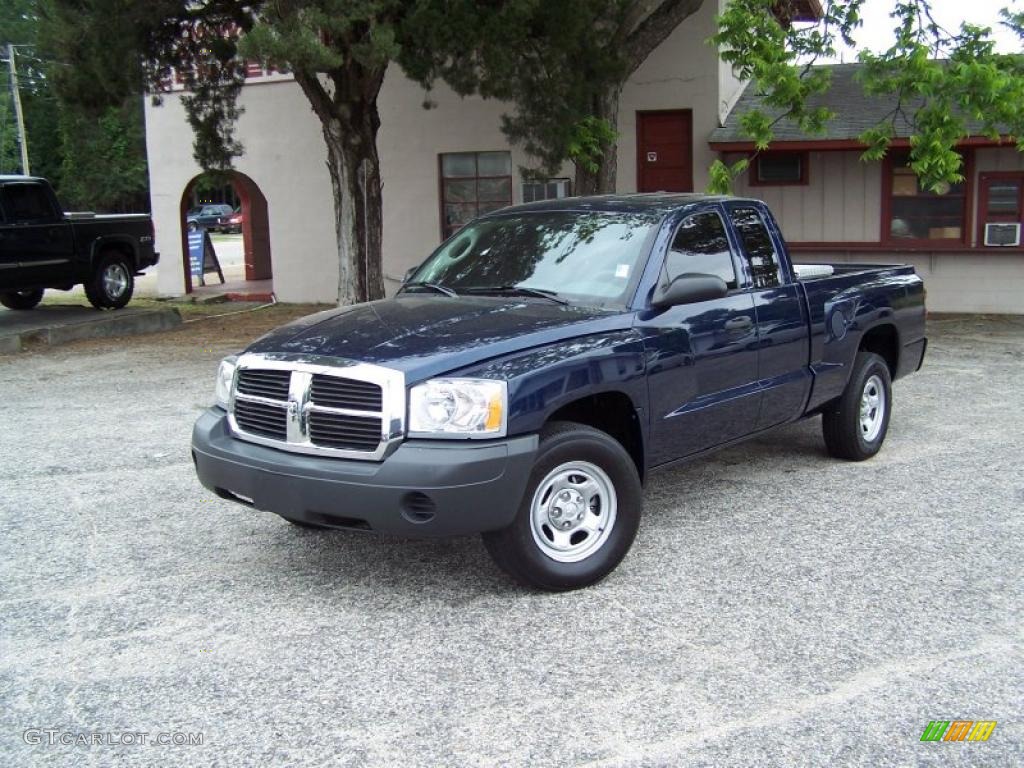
column 567, row 445
column 112, row 283
column 21, row 299
column 192, row 226
column 846, row 436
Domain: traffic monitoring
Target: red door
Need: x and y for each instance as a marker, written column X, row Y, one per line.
column 664, row 151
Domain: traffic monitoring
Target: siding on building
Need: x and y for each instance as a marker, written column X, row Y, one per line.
column 842, row 203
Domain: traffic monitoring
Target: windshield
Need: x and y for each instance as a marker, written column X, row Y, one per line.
column 589, row 258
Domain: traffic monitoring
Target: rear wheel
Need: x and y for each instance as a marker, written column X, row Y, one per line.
column 579, row 514
column 21, row 299
column 112, row 283
column 856, row 427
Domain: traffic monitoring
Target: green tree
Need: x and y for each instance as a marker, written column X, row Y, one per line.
column 946, row 83
column 95, row 161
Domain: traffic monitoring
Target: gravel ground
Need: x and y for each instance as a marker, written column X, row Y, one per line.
column 778, row 608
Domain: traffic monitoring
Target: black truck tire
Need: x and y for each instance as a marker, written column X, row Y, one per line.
column 21, row 299
column 579, row 514
column 856, row 425
column 112, row 282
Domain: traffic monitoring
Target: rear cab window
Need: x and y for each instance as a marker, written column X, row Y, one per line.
column 759, row 250
column 26, row 202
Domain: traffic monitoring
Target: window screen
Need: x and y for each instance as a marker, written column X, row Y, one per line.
column 758, row 249
column 701, row 246
column 27, row 202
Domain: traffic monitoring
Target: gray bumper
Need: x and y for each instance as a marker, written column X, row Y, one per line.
column 425, row 488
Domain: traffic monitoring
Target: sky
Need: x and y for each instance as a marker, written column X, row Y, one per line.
column 877, row 32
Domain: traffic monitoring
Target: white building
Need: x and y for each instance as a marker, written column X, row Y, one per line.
column 443, row 165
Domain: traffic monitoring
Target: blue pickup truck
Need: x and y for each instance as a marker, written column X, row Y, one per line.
column 542, row 361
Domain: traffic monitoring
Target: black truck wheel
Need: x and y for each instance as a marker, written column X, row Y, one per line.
column 856, row 426
column 21, row 299
column 579, row 514
column 112, row 283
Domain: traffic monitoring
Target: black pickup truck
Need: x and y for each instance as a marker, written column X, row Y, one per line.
column 542, row 362
column 42, row 247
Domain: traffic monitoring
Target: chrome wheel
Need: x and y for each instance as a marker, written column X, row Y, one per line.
column 872, row 408
column 573, row 511
column 115, row 280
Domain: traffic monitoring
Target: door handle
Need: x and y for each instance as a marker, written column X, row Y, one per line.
column 738, row 324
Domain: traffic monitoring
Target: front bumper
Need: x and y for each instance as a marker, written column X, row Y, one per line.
column 425, row 488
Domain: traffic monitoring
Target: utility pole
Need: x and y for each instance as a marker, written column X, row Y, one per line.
column 18, row 115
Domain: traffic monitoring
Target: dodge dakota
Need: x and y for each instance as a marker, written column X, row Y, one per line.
column 547, row 357
column 43, row 247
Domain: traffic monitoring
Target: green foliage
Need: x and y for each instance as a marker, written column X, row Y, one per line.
column 94, row 159
column 589, row 140
column 104, row 163
column 947, row 84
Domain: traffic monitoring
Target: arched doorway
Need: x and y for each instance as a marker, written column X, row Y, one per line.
column 228, row 187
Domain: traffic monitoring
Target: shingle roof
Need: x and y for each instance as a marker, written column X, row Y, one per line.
column 854, row 112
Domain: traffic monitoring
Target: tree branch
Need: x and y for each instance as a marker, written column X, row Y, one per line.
column 655, row 28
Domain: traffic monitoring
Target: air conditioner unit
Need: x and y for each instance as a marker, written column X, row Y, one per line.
column 1002, row 234
column 548, row 189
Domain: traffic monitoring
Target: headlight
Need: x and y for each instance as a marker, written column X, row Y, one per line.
column 458, row 408
column 225, row 374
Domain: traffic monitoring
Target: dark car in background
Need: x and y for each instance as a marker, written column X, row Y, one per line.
column 214, row 217
column 43, row 247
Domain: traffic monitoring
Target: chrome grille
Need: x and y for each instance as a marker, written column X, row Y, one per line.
column 318, row 405
column 262, row 418
column 336, row 430
column 336, row 392
column 269, row 384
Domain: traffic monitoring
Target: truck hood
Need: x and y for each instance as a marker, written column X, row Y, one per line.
column 425, row 335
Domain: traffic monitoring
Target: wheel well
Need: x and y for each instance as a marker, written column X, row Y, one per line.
column 884, row 342
column 115, row 247
column 613, row 413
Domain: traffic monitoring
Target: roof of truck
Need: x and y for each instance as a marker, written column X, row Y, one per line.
column 644, row 202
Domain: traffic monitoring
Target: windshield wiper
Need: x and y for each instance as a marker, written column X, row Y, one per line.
column 521, row 290
column 432, row 286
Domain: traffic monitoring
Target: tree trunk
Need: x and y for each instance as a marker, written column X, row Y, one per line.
column 350, row 121
column 603, row 180
column 354, row 168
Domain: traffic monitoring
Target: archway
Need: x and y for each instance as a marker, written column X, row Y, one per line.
column 227, row 187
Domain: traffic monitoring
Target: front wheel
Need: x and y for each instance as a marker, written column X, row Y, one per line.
column 112, row 283
column 579, row 514
column 856, row 426
column 21, row 299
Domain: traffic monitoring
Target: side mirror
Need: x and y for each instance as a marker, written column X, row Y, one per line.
column 409, row 273
column 689, row 288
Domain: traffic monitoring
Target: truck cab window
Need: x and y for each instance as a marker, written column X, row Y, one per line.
column 701, row 246
column 758, row 249
column 26, row 202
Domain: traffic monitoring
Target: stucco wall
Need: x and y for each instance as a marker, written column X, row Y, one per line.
column 285, row 157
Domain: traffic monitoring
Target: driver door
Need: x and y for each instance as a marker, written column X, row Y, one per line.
column 701, row 357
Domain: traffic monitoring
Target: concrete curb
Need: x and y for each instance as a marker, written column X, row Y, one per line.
column 106, row 325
